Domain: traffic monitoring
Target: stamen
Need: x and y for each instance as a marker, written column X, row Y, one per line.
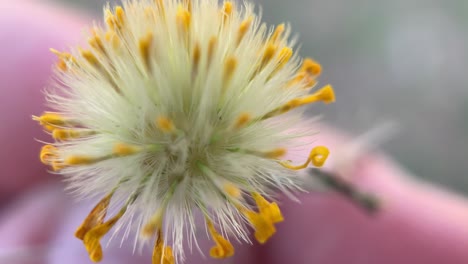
column 110, row 20
column 63, row 59
column 160, row 5
column 229, row 68
column 112, row 37
column 145, row 50
column 278, row 33
column 244, row 27
column 183, row 18
column 223, row 248
column 47, row 154
column 242, row 120
column 317, row 157
column 326, row 95
column 196, row 56
column 122, row 149
column 154, row 224
column 96, row 43
column 211, row 48
column 120, row 15
column 268, row 54
column 227, row 10
column 92, row 238
column 95, row 217
column 264, row 228
column 82, row 160
column 162, row 254
column 284, row 57
column 54, row 119
column 90, row 58
column 274, row 154
column 311, row 67
column 67, row 134
column 232, row 190
column 270, row 210
column 165, row 124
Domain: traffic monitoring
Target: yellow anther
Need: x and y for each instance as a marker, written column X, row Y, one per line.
column 223, row 248
column 284, row 56
column 48, row 154
column 326, row 95
column 165, row 124
column 183, row 18
column 112, row 37
column 62, row 65
column 242, row 120
column 264, row 227
column 307, row 80
column 120, row 15
column 269, row 210
column 154, row 224
column 122, row 149
column 90, row 57
column 244, row 27
column 162, row 254
column 67, row 134
column 229, row 68
column 278, row 33
column 160, row 5
column 144, row 47
column 81, row 160
column 95, row 217
column 49, row 118
column 227, row 10
column 110, row 19
column 232, row 190
column 196, row 55
column 57, row 165
column 311, row 67
column 268, row 54
column 275, row 154
column 317, row 157
column 211, row 48
column 64, row 58
column 188, row 4
column 92, row 238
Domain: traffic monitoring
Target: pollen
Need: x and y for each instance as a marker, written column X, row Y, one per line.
column 177, row 107
column 275, row 154
column 317, row 157
column 92, row 238
column 67, row 134
column 229, row 69
column 165, row 124
column 244, row 27
column 145, row 49
column 81, row 160
column 122, row 150
column 183, row 19
column 277, row 34
column 162, row 254
column 223, row 248
column 95, row 217
column 242, row 120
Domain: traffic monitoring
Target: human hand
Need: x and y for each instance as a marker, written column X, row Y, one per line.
column 417, row 223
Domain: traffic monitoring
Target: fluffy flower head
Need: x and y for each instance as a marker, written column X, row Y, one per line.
column 179, row 108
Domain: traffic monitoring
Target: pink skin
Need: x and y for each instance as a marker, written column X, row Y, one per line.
column 418, row 223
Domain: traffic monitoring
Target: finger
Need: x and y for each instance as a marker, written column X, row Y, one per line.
column 27, row 31
column 417, row 223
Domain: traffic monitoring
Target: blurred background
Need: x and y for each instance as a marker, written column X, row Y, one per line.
column 404, row 61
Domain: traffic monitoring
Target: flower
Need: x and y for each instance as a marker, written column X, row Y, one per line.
column 178, row 108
